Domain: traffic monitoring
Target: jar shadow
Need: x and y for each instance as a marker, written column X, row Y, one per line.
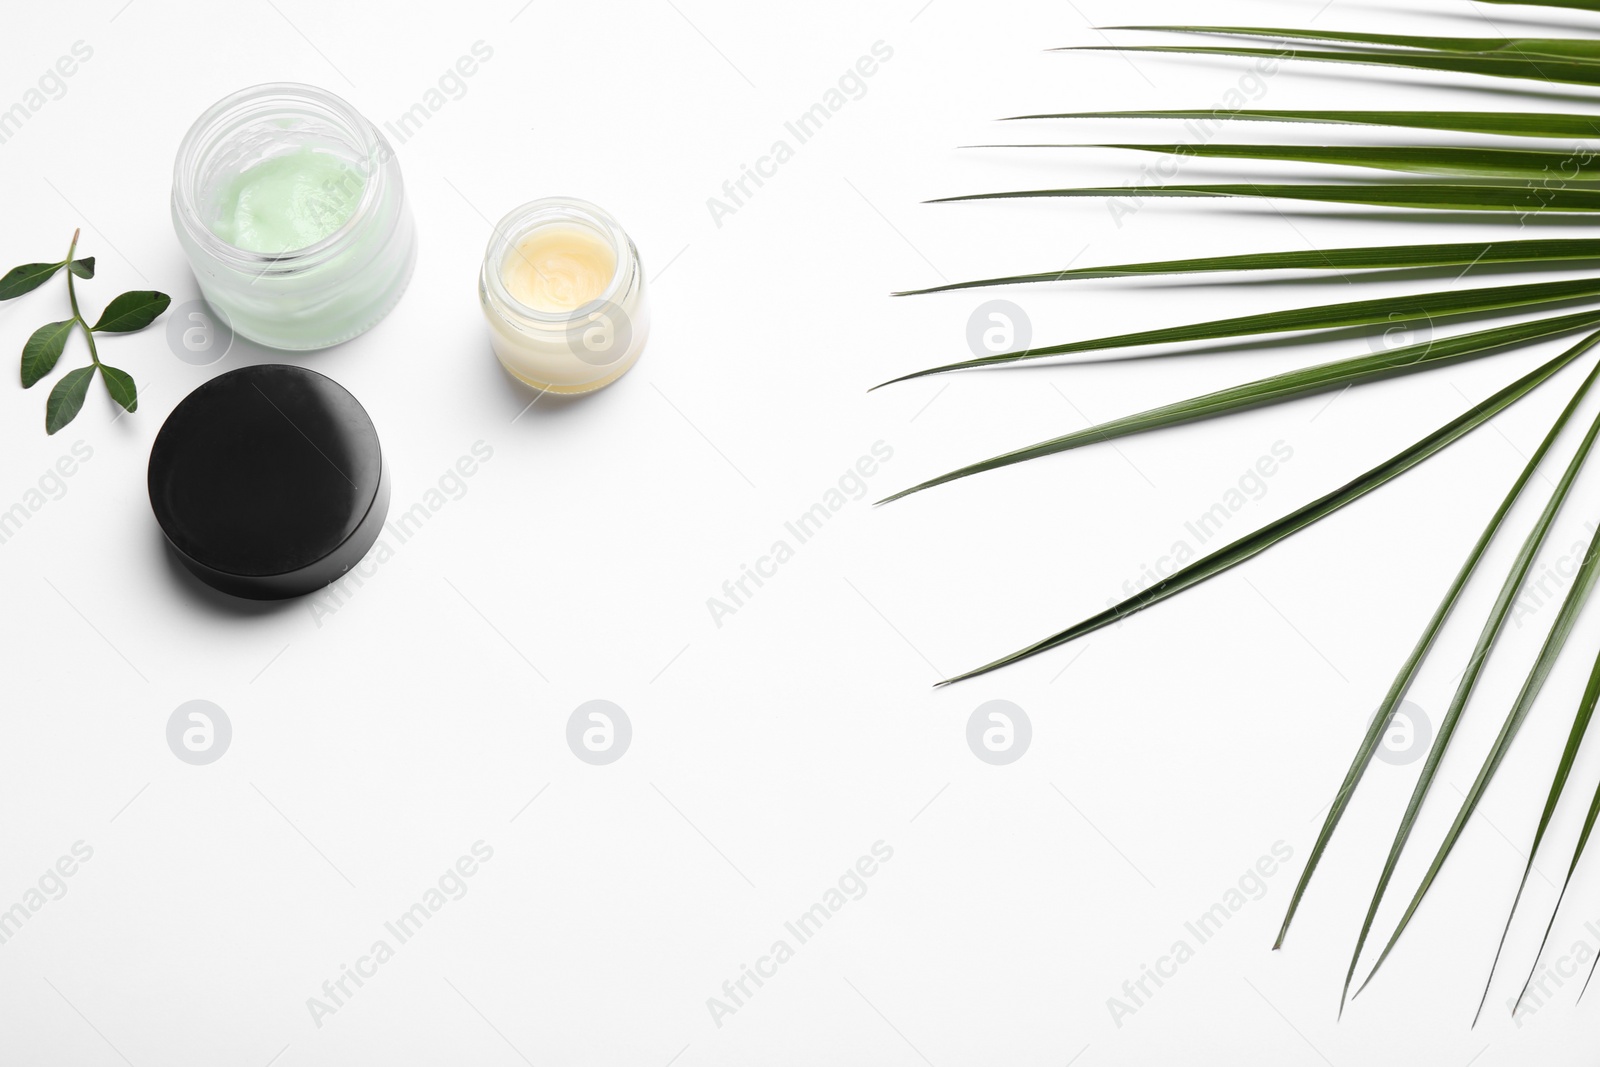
column 530, row 401
column 200, row 597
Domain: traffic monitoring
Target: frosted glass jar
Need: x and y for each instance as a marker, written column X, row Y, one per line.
column 328, row 291
column 564, row 350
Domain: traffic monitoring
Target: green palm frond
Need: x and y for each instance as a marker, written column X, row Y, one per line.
column 1519, row 47
column 1555, row 641
column 1479, row 255
column 1433, row 196
column 1577, row 854
column 1469, row 680
column 1390, row 312
column 1496, row 182
column 1580, row 5
column 1494, row 65
column 1502, row 123
column 1413, row 664
column 1290, row 385
column 1569, row 755
column 1510, row 164
column 1254, row 544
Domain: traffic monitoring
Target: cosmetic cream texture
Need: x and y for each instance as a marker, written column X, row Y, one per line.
column 559, row 268
column 288, row 202
column 291, row 210
column 564, row 296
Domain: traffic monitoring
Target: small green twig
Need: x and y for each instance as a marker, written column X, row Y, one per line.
column 127, row 313
column 72, row 295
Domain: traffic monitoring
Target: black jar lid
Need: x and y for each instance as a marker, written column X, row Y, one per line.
column 269, row 482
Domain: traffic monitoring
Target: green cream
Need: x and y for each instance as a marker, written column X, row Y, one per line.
column 288, row 202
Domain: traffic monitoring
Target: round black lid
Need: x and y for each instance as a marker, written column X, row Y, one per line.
column 268, row 481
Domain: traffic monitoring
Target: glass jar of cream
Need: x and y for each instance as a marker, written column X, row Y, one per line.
column 291, row 209
column 564, row 294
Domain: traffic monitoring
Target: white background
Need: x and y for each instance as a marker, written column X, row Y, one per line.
column 372, row 746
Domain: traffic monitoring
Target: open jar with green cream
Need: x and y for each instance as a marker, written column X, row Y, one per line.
column 291, row 209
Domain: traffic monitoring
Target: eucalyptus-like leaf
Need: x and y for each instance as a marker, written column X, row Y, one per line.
column 26, row 278
column 132, row 311
column 66, row 399
column 1413, row 663
column 120, row 385
column 1555, row 254
column 1503, row 123
column 1257, row 542
column 83, row 268
column 1391, row 312
column 1279, row 387
column 43, row 348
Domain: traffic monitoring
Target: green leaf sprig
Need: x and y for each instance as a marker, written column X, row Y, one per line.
column 128, row 313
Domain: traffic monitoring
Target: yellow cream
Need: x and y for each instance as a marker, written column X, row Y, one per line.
column 563, row 294
column 559, row 268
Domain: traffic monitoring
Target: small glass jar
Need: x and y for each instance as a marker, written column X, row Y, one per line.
column 572, row 351
column 328, row 291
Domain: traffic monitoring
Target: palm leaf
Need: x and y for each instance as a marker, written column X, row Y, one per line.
column 1555, row 47
column 1413, row 662
column 1389, row 311
column 1253, row 544
column 1569, row 754
column 1554, row 642
column 1427, row 196
column 1504, row 123
column 1577, row 854
column 1580, row 5
column 1494, row 181
column 1469, row 680
column 1506, row 163
column 1539, row 68
column 1280, row 387
column 1590, row 694
column 1549, row 253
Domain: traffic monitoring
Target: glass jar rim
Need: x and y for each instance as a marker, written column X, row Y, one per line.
column 220, row 119
column 548, row 211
